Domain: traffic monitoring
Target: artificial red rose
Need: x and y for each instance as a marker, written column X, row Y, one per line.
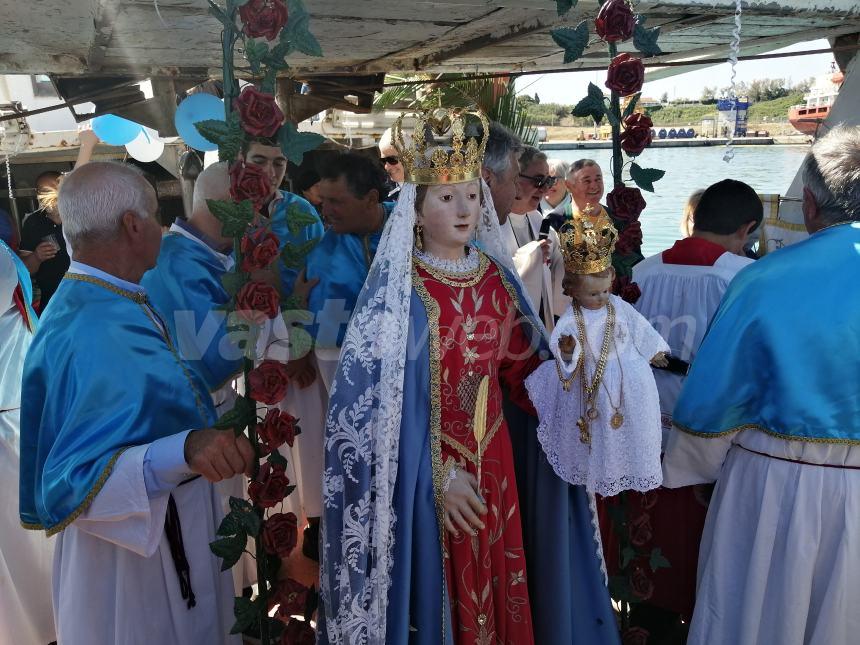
column 630, row 239
column 257, row 301
column 628, row 291
column 267, row 383
column 640, row 530
column 261, row 116
column 280, row 533
column 269, row 487
column 264, row 18
column 277, row 429
column 298, row 632
column 635, row 636
column 637, row 134
column 259, row 249
column 641, row 584
column 250, row 181
column 625, row 75
column 615, row 21
column 291, row 598
column 625, row 203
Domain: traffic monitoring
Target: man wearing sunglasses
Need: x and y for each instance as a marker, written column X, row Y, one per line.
column 390, row 159
column 536, row 255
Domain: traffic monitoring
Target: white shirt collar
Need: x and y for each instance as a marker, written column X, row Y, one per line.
column 86, row 269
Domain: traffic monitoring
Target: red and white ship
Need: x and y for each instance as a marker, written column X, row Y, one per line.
column 807, row 118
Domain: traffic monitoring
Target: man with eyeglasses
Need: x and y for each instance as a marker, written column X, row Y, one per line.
column 535, row 252
column 390, row 159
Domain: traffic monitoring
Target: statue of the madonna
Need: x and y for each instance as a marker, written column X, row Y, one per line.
column 422, row 529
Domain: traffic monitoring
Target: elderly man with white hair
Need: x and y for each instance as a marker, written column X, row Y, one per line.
column 118, row 454
column 557, row 197
column 771, row 411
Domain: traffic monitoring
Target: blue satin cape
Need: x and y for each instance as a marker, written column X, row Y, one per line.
column 280, row 227
column 26, row 284
column 340, row 264
column 570, row 603
column 99, row 378
column 781, row 353
column 185, row 287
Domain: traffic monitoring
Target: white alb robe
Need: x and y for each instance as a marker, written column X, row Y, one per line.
column 114, row 578
column 26, row 616
column 779, row 560
column 679, row 300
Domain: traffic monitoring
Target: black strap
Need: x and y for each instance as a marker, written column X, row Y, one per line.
column 173, row 531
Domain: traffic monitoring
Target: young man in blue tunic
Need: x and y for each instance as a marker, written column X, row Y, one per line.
column 118, row 454
column 351, row 188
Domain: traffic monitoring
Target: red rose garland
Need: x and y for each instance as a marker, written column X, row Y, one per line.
column 615, row 21
column 264, row 18
column 260, row 114
column 626, row 74
column 269, row 488
column 267, row 383
column 625, row 203
column 277, row 429
column 250, row 181
column 637, row 134
column 280, row 533
column 257, row 302
column 259, row 249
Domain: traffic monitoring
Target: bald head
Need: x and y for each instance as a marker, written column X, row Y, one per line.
column 212, row 183
column 95, row 196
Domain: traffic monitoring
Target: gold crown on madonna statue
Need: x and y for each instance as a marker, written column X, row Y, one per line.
column 441, row 151
column 587, row 244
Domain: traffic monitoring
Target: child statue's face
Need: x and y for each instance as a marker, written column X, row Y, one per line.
column 590, row 291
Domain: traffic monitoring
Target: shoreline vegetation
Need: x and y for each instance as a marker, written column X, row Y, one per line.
column 770, row 116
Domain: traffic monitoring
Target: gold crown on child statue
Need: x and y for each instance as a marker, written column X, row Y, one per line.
column 442, row 150
column 587, row 244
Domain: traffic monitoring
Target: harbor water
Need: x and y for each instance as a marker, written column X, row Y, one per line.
column 768, row 169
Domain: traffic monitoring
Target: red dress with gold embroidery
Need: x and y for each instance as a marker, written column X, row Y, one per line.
column 473, row 321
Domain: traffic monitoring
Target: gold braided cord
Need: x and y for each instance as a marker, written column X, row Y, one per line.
column 591, row 388
column 767, row 431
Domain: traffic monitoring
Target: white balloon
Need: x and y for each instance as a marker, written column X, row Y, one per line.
column 146, row 146
column 210, row 157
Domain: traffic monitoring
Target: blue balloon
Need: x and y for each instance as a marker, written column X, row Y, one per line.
column 196, row 108
column 114, row 130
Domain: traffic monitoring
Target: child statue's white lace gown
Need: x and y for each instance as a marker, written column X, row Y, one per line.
column 617, row 459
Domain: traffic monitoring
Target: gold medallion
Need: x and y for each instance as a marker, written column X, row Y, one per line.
column 591, row 413
column 584, row 433
column 617, row 420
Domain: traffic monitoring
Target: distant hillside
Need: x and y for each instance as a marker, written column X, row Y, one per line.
column 553, row 114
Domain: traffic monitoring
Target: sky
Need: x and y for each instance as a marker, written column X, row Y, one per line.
column 569, row 88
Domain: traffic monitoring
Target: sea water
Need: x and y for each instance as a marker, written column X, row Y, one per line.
column 768, row 169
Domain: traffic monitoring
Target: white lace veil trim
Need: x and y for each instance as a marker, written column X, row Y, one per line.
column 363, row 429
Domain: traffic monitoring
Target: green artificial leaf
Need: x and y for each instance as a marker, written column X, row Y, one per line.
column 645, row 39
column 298, row 30
column 573, row 40
column 230, row 525
column 255, row 52
column 242, row 414
column 276, row 458
column 274, row 59
column 563, row 6
column 592, row 105
column 298, row 218
column 232, row 282
column 627, row 554
column 229, row 549
column 213, row 130
column 239, row 504
column 301, row 342
column 247, row 613
column 658, row 560
column 235, row 218
column 294, row 255
column 645, row 177
column 631, row 105
column 251, row 522
column 291, row 303
column 295, row 144
column 229, row 149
